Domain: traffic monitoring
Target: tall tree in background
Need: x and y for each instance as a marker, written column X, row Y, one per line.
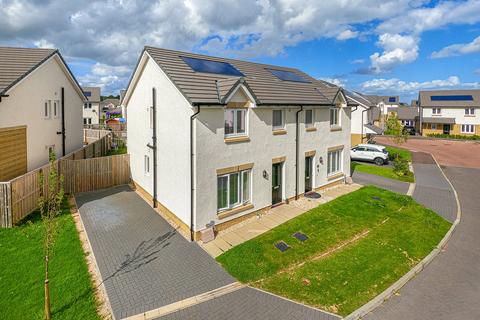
column 50, row 203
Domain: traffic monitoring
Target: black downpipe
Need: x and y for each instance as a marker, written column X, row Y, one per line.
column 192, row 188
column 297, row 150
column 361, row 135
column 63, row 120
column 154, row 146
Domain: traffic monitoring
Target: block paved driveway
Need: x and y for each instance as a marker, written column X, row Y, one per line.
column 145, row 264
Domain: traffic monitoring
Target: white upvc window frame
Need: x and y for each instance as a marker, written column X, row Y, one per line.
column 47, row 109
column 146, row 165
column 312, row 123
column 470, row 112
column 241, row 199
column 338, row 162
column 468, row 128
column 56, row 109
column 336, row 117
column 437, row 111
column 236, row 132
column 282, row 124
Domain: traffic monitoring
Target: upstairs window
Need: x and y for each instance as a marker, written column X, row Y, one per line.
column 278, row 121
column 469, row 111
column 235, row 122
column 47, row 109
column 436, row 111
column 334, row 117
column 309, row 118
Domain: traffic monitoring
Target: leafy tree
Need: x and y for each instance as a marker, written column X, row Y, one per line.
column 395, row 130
column 50, row 203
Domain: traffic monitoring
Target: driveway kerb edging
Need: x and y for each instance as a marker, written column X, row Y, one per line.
column 386, row 294
column 95, row 264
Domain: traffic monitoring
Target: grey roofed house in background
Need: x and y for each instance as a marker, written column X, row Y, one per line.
column 265, row 87
column 450, row 98
column 17, row 63
column 385, row 99
column 407, row 113
column 92, row 93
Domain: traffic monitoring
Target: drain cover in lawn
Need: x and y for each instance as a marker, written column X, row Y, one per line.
column 300, row 236
column 282, row 246
column 376, row 198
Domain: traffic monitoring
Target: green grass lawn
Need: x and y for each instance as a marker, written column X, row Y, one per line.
column 403, row 153
column 22, row 272
column 397, row 234
column 386, row 172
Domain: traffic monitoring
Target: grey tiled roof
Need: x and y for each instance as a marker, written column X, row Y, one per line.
column 438, row 120
column 95, row 93
column 407, row 113
column 207, row 88
column 425, row 100
column 377, row 99
column 17, row 63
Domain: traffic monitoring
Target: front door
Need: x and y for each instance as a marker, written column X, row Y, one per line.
column 308, row 174
column 276, row 183
column 446, row 129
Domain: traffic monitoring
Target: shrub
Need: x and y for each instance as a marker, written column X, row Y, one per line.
column 453, row 136
column 400, row 166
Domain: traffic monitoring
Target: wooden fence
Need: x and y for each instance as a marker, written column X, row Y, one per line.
column 92, row 135
column 84, row 170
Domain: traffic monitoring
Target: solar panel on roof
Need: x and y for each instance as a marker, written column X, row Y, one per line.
column 288, row 76
column 209, row 66
column 452, row 98
column 392, row 99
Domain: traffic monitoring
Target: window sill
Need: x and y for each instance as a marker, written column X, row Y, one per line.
column 279, row 132
column 436, row 115
column 311, row 129
column 236, row 139
column 335, row 176
column 470, row 115
column 336, row 128
column 233, row 211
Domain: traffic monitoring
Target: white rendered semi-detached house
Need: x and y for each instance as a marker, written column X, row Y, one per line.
column 91, row 108
column 450, row 112
column 40, row 109
column 362, row 118
column 216, row 140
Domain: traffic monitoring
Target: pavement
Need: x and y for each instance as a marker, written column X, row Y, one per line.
column 145, row 265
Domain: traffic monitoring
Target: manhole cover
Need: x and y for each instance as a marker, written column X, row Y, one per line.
column 300, row 236
column 312, row 195
column 282, row 246
column 376, row 198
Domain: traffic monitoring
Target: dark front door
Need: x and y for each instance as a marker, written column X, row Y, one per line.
column 276, row 183
column 308, row 174
column 446, row 129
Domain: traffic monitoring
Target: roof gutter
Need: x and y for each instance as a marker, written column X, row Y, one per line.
column 192, row 173
column 3, row 96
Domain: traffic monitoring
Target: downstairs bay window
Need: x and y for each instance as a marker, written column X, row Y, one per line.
column 233, row 189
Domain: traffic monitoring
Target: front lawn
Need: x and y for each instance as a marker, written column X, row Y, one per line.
column 386, row 172
column 357, row 246
column 402, row 153
column 22, row 272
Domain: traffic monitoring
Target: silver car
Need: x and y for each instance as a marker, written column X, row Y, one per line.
column 370, row 152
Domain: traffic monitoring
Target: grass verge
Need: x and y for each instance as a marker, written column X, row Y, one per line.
column 22, row 276
column 402, row 153
column 386, row 172
column 359, row 244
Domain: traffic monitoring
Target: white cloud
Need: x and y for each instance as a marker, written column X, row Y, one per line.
column 397, row 49
column 357, row 61
column 347, row 34
column 458, row 49
column 109, row 78
column 335, row 81
column 397, row 86
column 44, row 44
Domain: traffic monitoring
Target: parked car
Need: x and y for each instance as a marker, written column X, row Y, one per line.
column 410, row 130
column 370, row 152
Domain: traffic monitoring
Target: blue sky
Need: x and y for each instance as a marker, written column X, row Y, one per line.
column 372, row 46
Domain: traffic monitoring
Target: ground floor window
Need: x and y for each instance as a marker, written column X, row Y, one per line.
column 233, row 189
column 468, row 128
column 334, row 161
column 407, row 123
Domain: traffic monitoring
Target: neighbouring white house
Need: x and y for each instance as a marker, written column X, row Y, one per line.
column 40, row 109
column 450, row 112
column 217, row 140
column 91, row 108
column 385, row 104
column 362, row 118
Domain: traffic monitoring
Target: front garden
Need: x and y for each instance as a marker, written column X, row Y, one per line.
column 22, row 272
column 357, row 245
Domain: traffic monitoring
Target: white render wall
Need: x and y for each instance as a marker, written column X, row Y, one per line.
column 458, row 113
column 173, row 140
column 25, row 106
column 357, row 119
column 93, row 113
column 213, row 153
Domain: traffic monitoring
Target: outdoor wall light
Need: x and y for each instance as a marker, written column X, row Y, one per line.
column 265, row 174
